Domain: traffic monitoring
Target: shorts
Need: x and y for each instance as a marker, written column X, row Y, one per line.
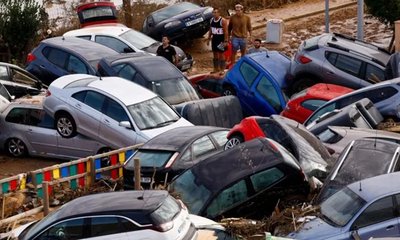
column 239, row 43
column 215, row 42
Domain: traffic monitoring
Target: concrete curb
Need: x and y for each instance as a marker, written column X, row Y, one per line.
column 263, row 25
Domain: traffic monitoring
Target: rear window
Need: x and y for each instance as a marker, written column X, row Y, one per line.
column 150, row 158
column 167, row 211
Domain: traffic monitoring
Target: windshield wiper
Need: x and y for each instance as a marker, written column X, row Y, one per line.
column 329, row 221
column 167, row 122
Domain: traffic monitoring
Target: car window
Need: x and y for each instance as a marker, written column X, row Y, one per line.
column 266, row 178
column 94, row 100
column 220, row 137
column 328, row 108
column 75, row 65
column 101, row 226
column 70, row 229
column 249, row 73
column 56, row 56
column 115, row 111
column 348, row 64
column 374, row 74
column 112, row 43
column 125, row 71
column 166, row 212
column 20, row 77
column 202, row 146
column 269, row 93
column 80, row 96
column 150, row 158
column 228, row 198
column 87, row 37
column 213, row 85
column 3, row 73
column 378, row 211
column 18, row 115
column 39, row 118
column 313, row 104
column 141, row 81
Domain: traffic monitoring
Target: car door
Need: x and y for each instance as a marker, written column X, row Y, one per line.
column 40, row 132
column 248, row 75
column 268, row 97
column 111, row 227
column 88, row 106
column 65, row 229
column 77, row 147
column 379, row 219
column 55, row 67
column 110, row 129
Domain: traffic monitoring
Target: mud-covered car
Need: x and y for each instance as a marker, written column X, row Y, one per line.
column 178, row 21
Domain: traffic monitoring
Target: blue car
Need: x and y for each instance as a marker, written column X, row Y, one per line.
column 258, row 80
column 364, row 209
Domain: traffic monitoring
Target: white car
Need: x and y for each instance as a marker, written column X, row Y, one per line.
column 112, row 110
column 123, row 40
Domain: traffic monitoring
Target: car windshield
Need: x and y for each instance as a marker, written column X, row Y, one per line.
column 192, row 193
column 166, row 212
column 138, row 39
column 152, row 113
column 150, row 158
column 175, row 91
column 341, row 207
column 173, row 10
column 320, row 111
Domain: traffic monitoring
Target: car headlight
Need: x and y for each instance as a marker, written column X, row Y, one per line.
column 172, row 24
column 208, row 11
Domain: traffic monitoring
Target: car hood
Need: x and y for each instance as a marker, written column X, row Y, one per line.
column 153, row 49
column 16, row 231
column 150, row 133
column 186, row 14
column 316, row 229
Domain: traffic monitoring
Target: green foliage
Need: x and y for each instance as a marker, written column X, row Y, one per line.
column 20, row 22
column 386, row 11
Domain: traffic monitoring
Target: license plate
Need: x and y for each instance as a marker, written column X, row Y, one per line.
column 186, row 66
column 192, row 22
column 145, row 179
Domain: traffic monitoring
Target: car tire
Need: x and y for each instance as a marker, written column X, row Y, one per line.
column 302, row 84
column 233, row 141
column 16, row 147
column 229, row 91
column 65, row 125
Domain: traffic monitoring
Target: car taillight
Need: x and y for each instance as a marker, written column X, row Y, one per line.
column 304, row 59
column 30, row 58
column 164, row 227
column 48, row 93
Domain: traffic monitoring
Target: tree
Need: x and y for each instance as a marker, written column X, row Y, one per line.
column 386, row 11
column 20, row 25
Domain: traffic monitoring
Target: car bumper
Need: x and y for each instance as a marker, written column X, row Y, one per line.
column 186, row 63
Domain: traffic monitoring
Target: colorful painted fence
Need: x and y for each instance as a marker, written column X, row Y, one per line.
column 78, row 173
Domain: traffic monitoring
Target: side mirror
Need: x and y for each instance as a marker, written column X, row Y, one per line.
column 125, row 124
column 150, row 24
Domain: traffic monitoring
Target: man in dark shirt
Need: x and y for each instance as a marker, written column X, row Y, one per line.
column 167, row 51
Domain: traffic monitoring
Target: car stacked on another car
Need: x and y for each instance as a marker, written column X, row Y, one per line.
column 337, row 59
column 179, row 21
column 170, row 153
column 246, row 181
column 112, row 110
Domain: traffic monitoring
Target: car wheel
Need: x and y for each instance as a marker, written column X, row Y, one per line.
column 233, row 141
column 229, row 91
column 65, row 125
column 16, row 147
column 302, row 84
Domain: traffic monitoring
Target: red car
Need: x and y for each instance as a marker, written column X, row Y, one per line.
column 301, row 105
column 208, row 85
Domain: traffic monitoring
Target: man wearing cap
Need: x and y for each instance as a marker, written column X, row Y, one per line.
column 239, row 29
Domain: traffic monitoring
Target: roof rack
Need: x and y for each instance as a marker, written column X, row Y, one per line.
column 366, row 44
column 333, row 45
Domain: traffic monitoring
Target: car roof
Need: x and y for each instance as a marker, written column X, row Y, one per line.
column 126, row 91
column 236, row 163
column 178, row 138
column 327, row 91
column 113, row 30
column 146, row 63
column 85, row 48
column 20, row 69
column 375, row 187
column 143, row 200
column 366, row 133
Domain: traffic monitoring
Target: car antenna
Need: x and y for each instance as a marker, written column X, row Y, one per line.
column 376, row 136
column 360, row 189
column 266, row 54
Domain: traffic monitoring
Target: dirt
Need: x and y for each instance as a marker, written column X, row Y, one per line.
column 295, row 31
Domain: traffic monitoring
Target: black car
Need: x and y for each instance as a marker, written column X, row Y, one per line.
column 153, row 72
column 170, row 153
column 181, row 20
column 18, row 81
column 115, row 215
column 59, row 56
column 245, row 181
column 361, row 159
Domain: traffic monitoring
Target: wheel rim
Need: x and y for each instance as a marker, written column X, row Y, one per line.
column 227, row 92
column 16, row 147
column 231, row 143
column 64, row 126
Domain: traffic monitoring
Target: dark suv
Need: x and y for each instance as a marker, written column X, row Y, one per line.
column 338, row 59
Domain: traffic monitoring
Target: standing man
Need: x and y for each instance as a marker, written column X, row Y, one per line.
column 167, row 51
column 239, row 29
column 218, row 34
column 257, row 47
